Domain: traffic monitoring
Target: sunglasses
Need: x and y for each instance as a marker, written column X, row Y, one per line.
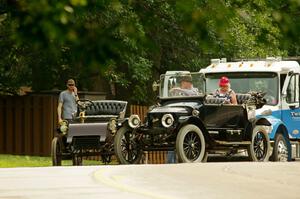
column 70, row 84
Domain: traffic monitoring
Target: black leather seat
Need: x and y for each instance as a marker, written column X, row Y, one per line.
column 214, row 100
column 106, row 107
column 242, row 98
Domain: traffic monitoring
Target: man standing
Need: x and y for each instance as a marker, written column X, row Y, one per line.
column 67, row 102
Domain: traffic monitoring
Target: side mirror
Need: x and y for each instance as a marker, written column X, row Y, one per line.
column 155, row 86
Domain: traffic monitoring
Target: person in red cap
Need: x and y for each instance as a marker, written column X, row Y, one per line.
column 224, row 91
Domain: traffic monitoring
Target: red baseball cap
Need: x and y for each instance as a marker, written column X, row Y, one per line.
column 224, row 81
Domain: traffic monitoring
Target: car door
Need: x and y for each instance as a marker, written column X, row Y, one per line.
column 291, row 105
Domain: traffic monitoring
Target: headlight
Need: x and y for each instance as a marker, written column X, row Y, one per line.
column 64, row 127
column 134, row 121
column 167, row 120
column 195, row 113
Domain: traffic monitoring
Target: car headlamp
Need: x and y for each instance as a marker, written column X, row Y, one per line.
column 195, row 113
column 134, row 121
column 167, row 120
column 64, row 127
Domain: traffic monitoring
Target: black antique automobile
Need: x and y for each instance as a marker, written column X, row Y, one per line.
column 91, row 132
column 194, row 124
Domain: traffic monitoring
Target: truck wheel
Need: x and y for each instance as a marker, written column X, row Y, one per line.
column 190, row 144
column 280, row 149
column 259, row 149
column 56, row 151
column 126, row 147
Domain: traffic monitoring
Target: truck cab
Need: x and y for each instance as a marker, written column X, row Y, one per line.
column 279, row 80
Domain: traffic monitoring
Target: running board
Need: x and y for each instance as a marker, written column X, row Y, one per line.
column 233, row 143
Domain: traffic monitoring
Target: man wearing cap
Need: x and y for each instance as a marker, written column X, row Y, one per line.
column 186, row 87
column 67, row 102
column 224, row 91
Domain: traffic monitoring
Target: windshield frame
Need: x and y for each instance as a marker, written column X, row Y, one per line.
column 245, row 81
column 173, row 79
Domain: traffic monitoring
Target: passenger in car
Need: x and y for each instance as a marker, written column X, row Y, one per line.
column 186, row 87
column 225, row 92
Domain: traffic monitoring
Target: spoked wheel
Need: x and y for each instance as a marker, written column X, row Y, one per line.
column 259, row 149
column 77, row 160
column 280, row 150
column 56, row 151
column 126, row 147
column 190, row 144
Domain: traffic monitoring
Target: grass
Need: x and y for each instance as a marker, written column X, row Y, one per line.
column 10, row 161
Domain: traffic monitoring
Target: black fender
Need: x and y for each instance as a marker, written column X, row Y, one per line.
column 256, row 122
column 262, row 121
column 198, row 122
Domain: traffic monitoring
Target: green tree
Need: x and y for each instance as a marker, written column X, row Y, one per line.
column 130, row 43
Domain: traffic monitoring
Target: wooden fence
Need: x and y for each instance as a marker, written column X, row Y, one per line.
column 28, row 124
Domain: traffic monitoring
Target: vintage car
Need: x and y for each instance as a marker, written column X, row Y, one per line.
column 193, row 124
column 91, row 132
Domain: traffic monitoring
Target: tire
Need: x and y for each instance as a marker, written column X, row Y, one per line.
column 77, row 160
column 190, row 144
column 126, row 148
column 259, row 149
column 280, row 149
column 56, row 151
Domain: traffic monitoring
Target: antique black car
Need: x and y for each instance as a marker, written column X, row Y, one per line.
column 91, row 132
column 194, row 124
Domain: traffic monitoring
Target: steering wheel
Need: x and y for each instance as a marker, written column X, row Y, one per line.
column 84, row 103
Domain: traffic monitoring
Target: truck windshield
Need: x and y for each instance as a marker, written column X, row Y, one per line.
column 247, row 81
column 181, row 84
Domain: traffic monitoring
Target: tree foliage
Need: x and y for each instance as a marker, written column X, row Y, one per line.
column 129, row 43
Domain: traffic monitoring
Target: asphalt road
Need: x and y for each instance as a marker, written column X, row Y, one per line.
column 240, row 180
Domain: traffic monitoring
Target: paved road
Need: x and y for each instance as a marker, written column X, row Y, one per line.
column 232, row 180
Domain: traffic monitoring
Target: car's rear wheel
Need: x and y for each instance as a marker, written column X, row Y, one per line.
column 56, row 151
column 127, row 147
column 259, row 149
column 190, row 144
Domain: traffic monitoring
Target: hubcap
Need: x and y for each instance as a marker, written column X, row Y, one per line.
column 192, row 146
column 282, row 151
column 129, row 148
column 260, row 146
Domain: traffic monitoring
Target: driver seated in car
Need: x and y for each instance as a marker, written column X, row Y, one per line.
column 225, row 92
column 186, row 87
column 262, row 86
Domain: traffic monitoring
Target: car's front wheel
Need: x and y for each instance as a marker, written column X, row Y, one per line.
column 190, row 144
column 127, row 147
column 56, row 151
column 259, row 149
